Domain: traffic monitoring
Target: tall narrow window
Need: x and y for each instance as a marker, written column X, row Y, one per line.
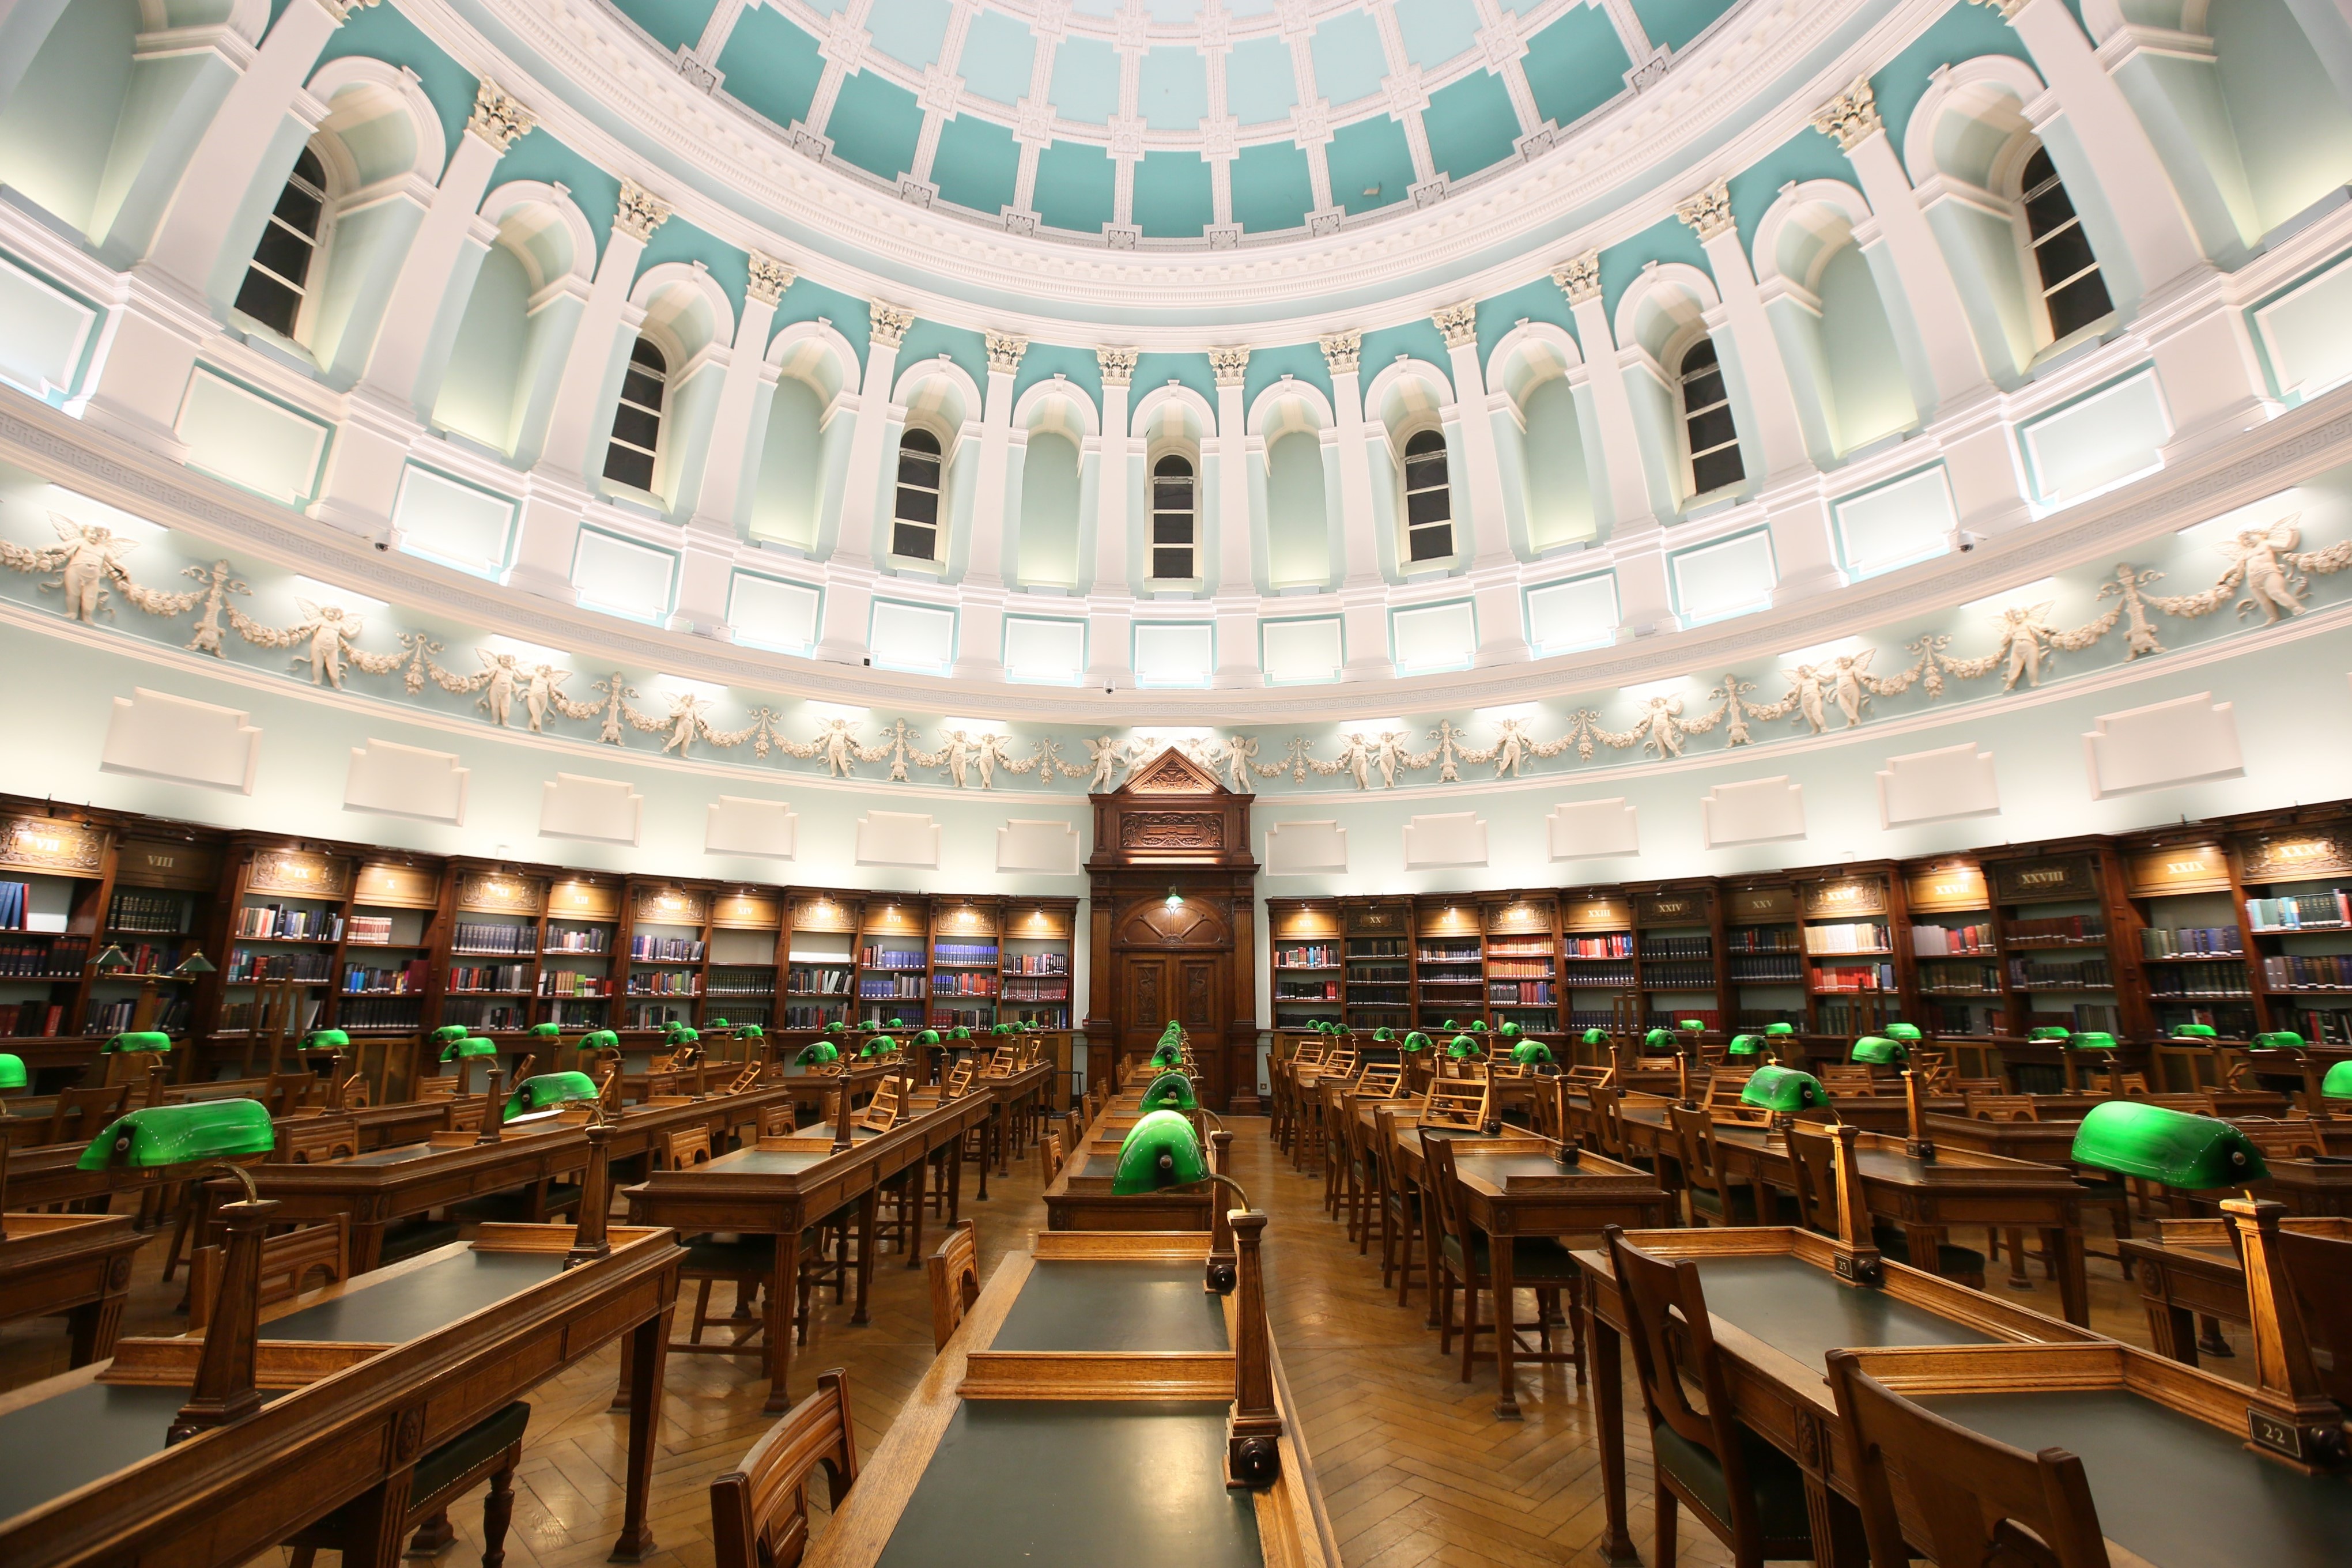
column 915, row 517
column 1706, row 420
column 1172, row 517
column 637, row 422
column 2072, row 288
column 279, row 272
column 1428, row 498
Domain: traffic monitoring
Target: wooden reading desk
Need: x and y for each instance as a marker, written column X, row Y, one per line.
column 1079, row 1414
column 1080, row 1199
column 78, row 1265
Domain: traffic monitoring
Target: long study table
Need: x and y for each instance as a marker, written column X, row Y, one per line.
column 74, row 1265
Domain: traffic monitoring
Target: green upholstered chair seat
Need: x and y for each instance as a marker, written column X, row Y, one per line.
column 1950, row 1260
column 416, row 1235
column 1779, row 1485
column 1535, row 1260
column 478, row 1444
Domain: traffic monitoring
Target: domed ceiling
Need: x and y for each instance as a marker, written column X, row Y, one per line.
column 1175, row 122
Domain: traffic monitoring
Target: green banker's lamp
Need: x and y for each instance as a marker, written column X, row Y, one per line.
column 1658, row 1041
column 1877, row 1050
column 2172, row 1148
column 201, row 1135
column 880, row 1045
column 1779, row 1030
column 836, row 1027
column 2336, row 1085
column 601, row 1039
column 750, row 1031
column 1384, row 1034
column 720, row 1023
column 545, row 1095
column 1783, row 1092
column 962, row 1031
column 2195, row 1031
column 1477, row 1026
column 1745, row 1045
column 1163, row 1151
column 545, row 1032
column 1167, row 1055
column 1692, row 1026
column 1170, row 1092
column 2051, row 1031
column 1450, row 1027
column 816, row 1052
column 464, row 1047
column 333, row 1040
column 1530, row 1052
column 929, row 1036
column 139, row 1040
column 1509, row 1031
column 1909, row 1033
column 1462, row 1047
column 12, row 1071
column 1414, row 1042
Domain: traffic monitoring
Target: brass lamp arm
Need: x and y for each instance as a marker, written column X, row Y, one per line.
column 244, row 1176
column 1224, row 1180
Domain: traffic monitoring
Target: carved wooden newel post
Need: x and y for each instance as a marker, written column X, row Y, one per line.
column 224, row 1391
column 1253, row 1432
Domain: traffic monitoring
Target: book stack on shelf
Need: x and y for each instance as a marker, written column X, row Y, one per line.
column 2298, row 920
column 893, row 958
column 1523, row 965
column 967, row 964
column 1674, row 947
column 1449, row 965
column 1037, row 972
column 1596, row 957
column 1379, row 962
column 1306, row 969
column 578, row 937
column 668, row 945
column 746, row 928
column 821, row 961
column 1956, row 950
column 1851, row 972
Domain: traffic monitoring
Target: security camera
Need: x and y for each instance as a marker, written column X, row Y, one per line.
column 383, row 545
column 1970, row 540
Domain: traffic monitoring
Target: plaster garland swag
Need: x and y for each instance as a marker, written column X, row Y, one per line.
column 2267, row 573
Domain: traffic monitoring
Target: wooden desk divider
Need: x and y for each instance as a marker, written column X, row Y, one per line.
column 1224, row 1268
column 2292, row 1416
column 1381, row 1081
column 1918, row 1144
column 224, row 1391
column 589, row 1241
column 1455, row 1102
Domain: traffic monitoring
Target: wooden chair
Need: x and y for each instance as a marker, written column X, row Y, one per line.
column 1714, row 1199
column 1454, row 1103
column 1748, row 1493
column 2320, row 1272
column 442, row 1086
column 779, row 1121
column 288, row 1261
column 1813, row 1163
column 758, row 1510
column 954, row 1267
column 2000, row 1108
column 1845, row 1078
column 1399, row 1205
column 286, row 1093
column 2135, row 1084
column 1969, row 1088
column 1054, row 1156
column 687, row 1148
column 489, row 1450
column 1537, row 1262
column 312, row 1140
column 77, row 1114
column 1608, row 1118
column 1973, row 1499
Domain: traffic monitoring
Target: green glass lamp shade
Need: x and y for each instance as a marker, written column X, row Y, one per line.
column 1451, row 1027
column 2155, row 1143
column 536, row 1093
column 1168, row 1056
column 1745, row 1045
column 720, row 1023
column 2195, row 1031
column 1909, row 1033
column 880, row 1045
column 2050, row 1031
column 1771, row 1029
column 1384, row 1034
column 1528, row 1053
column 545, row 1032
column 1161, row 1150
column 1462, row 1045
column 1416, row 1040
column 1596, row 1036
column 2090, row 1040
column 962, row 1031
column 1509, row 1032
column 447, row 1032
column 1002, row 1028
column 465, row 1050
column 141, row 1040
column 2279, row 1039
column 1696, row 1026
column 320, row 1039
column 603, row 1039
column 835, row 1027
column 1659, row 1040
column 680, row 1035
column 1170, row 1092
column 929, row 1036
column 1784, row 1089
column 1477, row 1026
column 817, row 1051
column 897, row 1023
column 2336, row 1085
column 182, row 1134
column 12, row 1073
column 1877, row 1050
column 752, row 1031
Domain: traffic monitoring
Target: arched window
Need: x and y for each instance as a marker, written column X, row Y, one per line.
column 1172, row 515
column 279, row 274
column 637, row 422
column 2072, row 289
column 915, row 517
column 1428, row 498
column 1706, row 420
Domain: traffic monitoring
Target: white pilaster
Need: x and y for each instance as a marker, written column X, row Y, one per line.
column 1620, row 456
column 1771, row 400
column 1490, row 534
column 1360, row 560
column 985, row 564
column 849, row 572
column 1236, row 590
column 1109, row 664
column 713, row 530
column 570, row 435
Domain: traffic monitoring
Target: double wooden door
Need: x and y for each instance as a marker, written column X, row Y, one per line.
column 1176, row 962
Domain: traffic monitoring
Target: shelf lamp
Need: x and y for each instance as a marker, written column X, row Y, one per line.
column 1658, row 1041
column 929, row 1036
column 1783, row 1092
column 111, row 960
column 2051, row 1031
column 194, row 964
column 205, row 1134
column 601, row 1039
column 1161, row 1152
column 545, row 1032
column 2336, row 1085
column 1509, row 1031
column 464, row 1047
column 1384, row 1035
column 540, row 1096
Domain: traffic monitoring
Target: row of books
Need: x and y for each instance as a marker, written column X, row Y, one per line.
column 1519, row 948
column 400, row 980
column 1658, row 976
column 1044, row 1018
column 1519, row 969
column 1037, row 964
column 1600, row 976
column 154, row 914
column 965, row 983
column 16, row 898
column 1307, row 990
column 963, row 953
column 892, row 957
column 2300, row 911
column 2201, row 980
column 1864, row 937
column 488, row 1016
column 1762, row 939
column 811, row 1015
column 1674, row 1020
column 63, row 960
column 883, row 988
column 112, row 1018
column 666, row 983
column 1036, row 991
column 1954, row 941
column 2293, row 971
column 1983, row 979
column 475, row 936
column 1307, row 956
column 666, row 950
column 1524, row 994
column 1375, row 947
column 275, row 921
column 489, row 977
column 368, row 931
column 570, row 983
column 815, row 981
column 244, row 964
column 2029, row 972
column 380, row 1012
column 590, row 939
column 746, row 983
column 26, row 1020
column 1677, row 947
column 2059, row 928
column 1855, row 978
column 1449, row 952
column 2190, row 939
column 1767, row 966
column 1378, row 974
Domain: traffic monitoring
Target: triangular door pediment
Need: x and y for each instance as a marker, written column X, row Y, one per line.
column 1173, row 773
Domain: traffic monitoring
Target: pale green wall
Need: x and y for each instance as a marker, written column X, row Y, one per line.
column 1297, row 551
column 1560, row 489
column 1865, row 374
column 1049, row 511
column 784, row 501
column 2295, row 136
column 477, row 390
column 58, row 128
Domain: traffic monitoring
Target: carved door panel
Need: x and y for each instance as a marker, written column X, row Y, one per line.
column 1147, row 999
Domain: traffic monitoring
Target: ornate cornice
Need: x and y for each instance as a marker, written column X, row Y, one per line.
column 1850, row 117
column 640, row 212
column 1004, row 351
column 1579, row 276
column 499, row 117
column 1709, row 214
column 1229, row 365
column 1117, row 366
column 888, row 324
column 1342, row 352
column 770, row 278
column 1459, row 323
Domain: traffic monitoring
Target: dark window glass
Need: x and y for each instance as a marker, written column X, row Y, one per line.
column 1173, row 519
column 280, row 274
column 630, row 455
column 1428, row 498
column 2072, row 287
column 915, row 510
column 1708, row 428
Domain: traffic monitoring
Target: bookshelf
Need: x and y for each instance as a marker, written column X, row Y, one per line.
column 1377, row 952
column 579, row 955
column 2050, row 914
column 820, row 959
column 1596, row 956
column 489, row 968
column 1852, row 981
column 1037, row 973
column 666, row 946
column 1961, row 978
column 384, row 975
column 1449, row 963
column 2295, row 897
column 1309, row 975
column 1523, row 964
column 967, row 962
column 1675, row 951
column 53, row 877
column 746, row 928
column 894, row 958
column 2181, row 944
column 284, row 946
column 1763, row 956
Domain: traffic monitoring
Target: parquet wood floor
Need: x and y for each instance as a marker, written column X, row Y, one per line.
column 1413, row 1466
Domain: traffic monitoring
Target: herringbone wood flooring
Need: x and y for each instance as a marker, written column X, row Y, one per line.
column 1412, row 1464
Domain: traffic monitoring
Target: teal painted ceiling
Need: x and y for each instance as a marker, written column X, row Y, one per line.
column 1176, row 120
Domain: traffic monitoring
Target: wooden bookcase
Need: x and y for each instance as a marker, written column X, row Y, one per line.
column 666, row 944
column 747, row 931
column 52, row 934
column 2300, row 952
column 1037, row 972
column 490, row 956
column 1522, row 958
column 1959, row 979
column 967, row 948
column 1678, row 956
column 820, row 959
column 581, row 972
column 1763, row 956
column 1377, row 950
column 1597, row 963
column 1854, row 981
column 894, row 963
column 1307, row 974
column 1449, row 962
column 384, row 979
column 284, row 948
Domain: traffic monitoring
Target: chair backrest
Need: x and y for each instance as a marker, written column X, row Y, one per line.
column 353, row 1094
column 689, row 1147
column 1054, row 1153
column 78, row 1113
column 758, row 1510
column 1443, row 1185
column 2001, row 1108
column 779, row 1121
column 442, row 1086
column 1972, row 1499
column 2299, row 1140
column 467, row 1110
column 1847, row 1078
column 955, row 1267
column 1694, row 1132
column 1455, row 1102
column 1587, row 1076
column 1384, row 1152
column 1976, row 1088
column 2135, row 1084
column 309, row 1140
column 2319, row 1272
column 1673, row 1358
column 286, row 1093
column 1812, row 1169
column 287, row 1262
column 2228, row 1103
column 1607, row 1119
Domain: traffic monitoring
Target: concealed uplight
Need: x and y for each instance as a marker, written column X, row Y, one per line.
column 702, row 689
column 311, row 588
column 1665, row 688
column 1821, row 653
column 1368, row 726
column 2038, row 591
column 1510, row 710
column 528, row 653
column 976, row 726
column 833, row 710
